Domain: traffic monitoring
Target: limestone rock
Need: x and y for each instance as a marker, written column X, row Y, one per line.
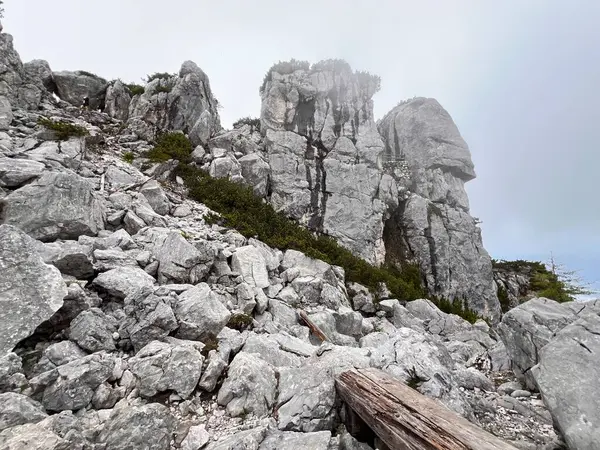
column 249, row 387
column 526, row 329
column 422, row 140
column 70, row 257
column 139, row 426
column 57, row 205
column 15, row 172
column 181, row 262
column 149, row 318
column 216, row 365
column 173, row 365
column 72, row 87
column 196, row 438
column 188, row 106
column 72, row 385
column 417, row 358
column 297, row 441
column 200, row 313
column 255, row 171
column 568, row 377
column 250, row 263
column 17, row 409
column 93, row 331
column 242, row 440
column 306, row 399
column 30, row 291
column 6, row 114
column 40, row 69
column 124, row 281
column 117, row 101
column 156, row 197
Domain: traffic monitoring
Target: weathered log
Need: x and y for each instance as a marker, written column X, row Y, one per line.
column 404, row 419
column 313, row 327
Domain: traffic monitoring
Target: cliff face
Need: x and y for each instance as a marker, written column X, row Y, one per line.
column 324, row 152
column 392, row 192
column 434, row 218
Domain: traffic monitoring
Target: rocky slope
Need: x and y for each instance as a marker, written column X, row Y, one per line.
column 135, row 324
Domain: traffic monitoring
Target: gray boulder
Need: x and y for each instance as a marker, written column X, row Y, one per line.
column 172, row 365
column 200, row 313
column 196, row 438
column 70, row 257
column 57, row 205
column 6, row 114
column 419, row 360
column 216, row 365
column 17, row 409
column 270, row 350
column 30, row 291
column 568, row 377
column 298, row 441
column 250, row 386
column 57, row 354
column 181, row 262
column 39, row 69
column 120, row 283
column 148, row 427
column 71, row 386
column 117, row 101
column 72, row 87
column 15, row 172
column 242, row 440
column 12, row 378
column 156, row 197
column 250, row 263
column 306, row 399
column 526, row 329
column 149, row 318
column 255, row 171
column 183, row 102
column 93, row 331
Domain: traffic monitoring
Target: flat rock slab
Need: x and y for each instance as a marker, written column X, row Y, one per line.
column 56, row 206
column 30, row 290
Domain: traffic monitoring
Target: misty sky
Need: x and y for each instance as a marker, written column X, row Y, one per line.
column 519, row 77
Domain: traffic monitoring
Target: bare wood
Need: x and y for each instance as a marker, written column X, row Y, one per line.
column 404, row 419
column 313, row 327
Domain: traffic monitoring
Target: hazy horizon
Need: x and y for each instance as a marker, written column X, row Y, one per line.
column 520, row 79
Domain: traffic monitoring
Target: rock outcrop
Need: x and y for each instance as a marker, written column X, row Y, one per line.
column 432, row 219
column 554, row 348
column 30, row 291
column 72, row 87
column 133, row 322
column 179, row 102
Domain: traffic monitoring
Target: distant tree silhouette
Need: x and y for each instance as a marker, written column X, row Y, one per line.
column 1, row 9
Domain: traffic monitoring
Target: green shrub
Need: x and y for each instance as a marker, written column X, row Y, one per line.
column 335, row 65
column 240, row 322
column 252, row 217
column 135, row 89
column 503, row 298
column 128, row 157
column 63, row 130
column 161, row 88
column 284, row 68
column 171, row 146
column 159, row 76
column 87, row 74
column 456, row 306
column 253, row 122
column 542, row 282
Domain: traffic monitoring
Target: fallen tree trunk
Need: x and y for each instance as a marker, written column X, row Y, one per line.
column 404, row 419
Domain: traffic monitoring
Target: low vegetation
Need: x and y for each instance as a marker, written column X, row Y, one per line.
column 63, row 130
column 239, row 208
column 128, row 157
column 170, row 146
column 550, row 280
column 161, row 88
column 456, row 306
column 252, row 121
column 240, row 322
column 87, row 74
column 135, row 89
column 159, row 76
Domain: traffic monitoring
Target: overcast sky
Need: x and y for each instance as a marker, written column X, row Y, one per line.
column 520, row 78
